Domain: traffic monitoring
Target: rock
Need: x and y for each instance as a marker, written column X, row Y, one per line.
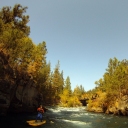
column 27, row 94
column 7, row 84
column 25, row 99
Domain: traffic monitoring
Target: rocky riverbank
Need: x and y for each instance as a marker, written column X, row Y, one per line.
column 117, row 106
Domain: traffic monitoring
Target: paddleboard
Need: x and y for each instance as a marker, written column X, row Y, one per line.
column 34, row 123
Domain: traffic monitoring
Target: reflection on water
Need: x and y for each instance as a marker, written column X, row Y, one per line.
column 59, row 117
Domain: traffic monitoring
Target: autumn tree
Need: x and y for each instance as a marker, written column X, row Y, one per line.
column 38, row 59
column 78, row 91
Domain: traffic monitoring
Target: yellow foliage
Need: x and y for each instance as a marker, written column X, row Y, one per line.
column 68, row 101
column 99, row 101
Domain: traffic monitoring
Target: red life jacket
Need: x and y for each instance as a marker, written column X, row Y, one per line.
column 40, row 110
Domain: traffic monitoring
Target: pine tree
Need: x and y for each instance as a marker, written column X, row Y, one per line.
column 68, row 84
column 57, row 81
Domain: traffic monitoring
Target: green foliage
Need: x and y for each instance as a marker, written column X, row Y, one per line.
column 67, row 84
column 113, row 84
column 115, row 77
column 24, row 55
column 14, row 39
column 57, row 82
column 15, row 18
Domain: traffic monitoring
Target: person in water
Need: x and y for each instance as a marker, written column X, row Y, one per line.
column 40, row 113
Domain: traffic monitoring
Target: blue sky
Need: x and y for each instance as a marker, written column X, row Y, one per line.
column 82, row 34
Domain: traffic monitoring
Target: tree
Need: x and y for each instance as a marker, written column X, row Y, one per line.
column 78, row 91
column 68, row 84
column 16, row 18
column 62, row 82
column 38, row 59
column 57, row 81
column 14, row 39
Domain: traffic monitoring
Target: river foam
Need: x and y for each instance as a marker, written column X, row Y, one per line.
column 75, row 122
column 80, row 118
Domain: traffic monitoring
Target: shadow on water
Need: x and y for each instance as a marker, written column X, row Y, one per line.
column 14, row 121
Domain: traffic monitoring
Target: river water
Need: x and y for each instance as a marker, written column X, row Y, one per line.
column 59, row 117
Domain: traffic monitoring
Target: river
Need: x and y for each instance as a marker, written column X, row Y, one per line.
column 59, row 117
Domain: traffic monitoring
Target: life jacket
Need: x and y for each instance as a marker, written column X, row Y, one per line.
column 40, row 110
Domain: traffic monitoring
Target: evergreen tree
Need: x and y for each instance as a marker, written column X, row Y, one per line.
column 62, row 82
column 68, row 84
column 57, row 81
